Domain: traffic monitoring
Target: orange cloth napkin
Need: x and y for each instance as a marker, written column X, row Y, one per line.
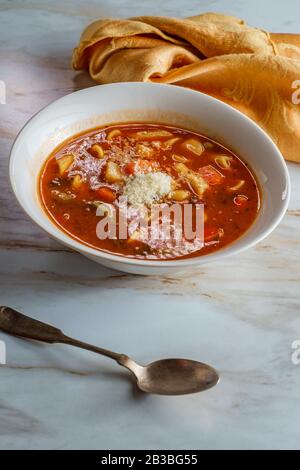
column 250, row 69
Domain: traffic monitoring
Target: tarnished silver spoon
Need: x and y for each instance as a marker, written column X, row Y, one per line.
column 164, row 377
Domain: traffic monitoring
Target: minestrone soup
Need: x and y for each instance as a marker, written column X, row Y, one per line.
column 85, row 180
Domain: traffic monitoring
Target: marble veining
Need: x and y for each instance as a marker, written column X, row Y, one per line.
column 241, row 315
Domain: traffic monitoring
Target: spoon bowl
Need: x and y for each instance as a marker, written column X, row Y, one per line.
column 177, row 377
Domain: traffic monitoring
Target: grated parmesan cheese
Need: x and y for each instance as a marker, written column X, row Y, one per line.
column 147, row 188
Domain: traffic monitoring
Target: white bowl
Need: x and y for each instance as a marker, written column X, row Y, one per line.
column 124, row 102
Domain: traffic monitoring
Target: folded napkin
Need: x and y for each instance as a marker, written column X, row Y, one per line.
column 250, row 69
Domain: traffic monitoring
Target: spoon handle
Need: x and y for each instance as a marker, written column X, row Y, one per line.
column 17, row 324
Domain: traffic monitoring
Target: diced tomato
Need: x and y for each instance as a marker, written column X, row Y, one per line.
column 211, row 175
column 212, row 233
column 106, row 194
column 240, row 200
column 129, row 168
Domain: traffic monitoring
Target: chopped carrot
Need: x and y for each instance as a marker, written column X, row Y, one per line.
column 106, row 194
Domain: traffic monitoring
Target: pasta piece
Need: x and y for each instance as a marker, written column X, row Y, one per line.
column 198, row 184
column 113, row 173
column 76, row 182
column 112, row 134
column 153, row 134
column 179, row 158
column 169, row 143
column 180, row 195
column 98, row 151
column 238, row 186
column 240, row 200
column 223, row 161
column 194, row 146
column 64, row 163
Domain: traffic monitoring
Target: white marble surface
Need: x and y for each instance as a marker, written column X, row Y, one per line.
column 240, row 316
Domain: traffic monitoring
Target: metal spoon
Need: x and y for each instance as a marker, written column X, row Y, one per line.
column 164, row 377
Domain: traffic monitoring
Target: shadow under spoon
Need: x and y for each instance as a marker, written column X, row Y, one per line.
column 163, row 377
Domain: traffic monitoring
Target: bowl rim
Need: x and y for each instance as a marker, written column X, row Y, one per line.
column 82, row 248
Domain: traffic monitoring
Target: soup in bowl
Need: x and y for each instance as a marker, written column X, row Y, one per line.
column 149, row 178
column 157, row 170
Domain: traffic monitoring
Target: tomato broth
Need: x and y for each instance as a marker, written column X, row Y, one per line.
column 149, row 164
